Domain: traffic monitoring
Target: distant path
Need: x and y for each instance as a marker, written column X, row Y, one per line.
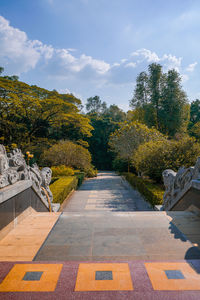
column 106, row 192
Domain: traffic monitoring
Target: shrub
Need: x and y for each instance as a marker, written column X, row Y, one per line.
column 91, row 172
column 62, row 170
column 69, row 154
column 80, row 176
column 152, row 192
column 154, row 157
column 62, row 187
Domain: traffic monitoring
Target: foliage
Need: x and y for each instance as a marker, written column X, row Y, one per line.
column 69, row 154
column 94, row 105
column 154, row 157
column 129, row 136
column 80, row 176
column 62, row 187
column 194, row 124
column 29, row 114
column 104, row 124
column 159, row 100
column 91, row 172
column 120, row 165
column 62, row 170
column 151, row 191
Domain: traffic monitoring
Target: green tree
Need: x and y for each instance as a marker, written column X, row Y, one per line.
column 141, row 92
column 193, row 126
column 159, row 100
column 174, row 114
column 69, row 154
column 125, row 141
column 95, row 105
column 29, row 114
column 153, row 157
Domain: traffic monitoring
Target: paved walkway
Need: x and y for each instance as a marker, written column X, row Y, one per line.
column 107, row 244
column 106, row 192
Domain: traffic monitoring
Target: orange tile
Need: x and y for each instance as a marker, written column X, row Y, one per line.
column 159, row 280
column 14, row 282
column 121, row 277
column 24, row 241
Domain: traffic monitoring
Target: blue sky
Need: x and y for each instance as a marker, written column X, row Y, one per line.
column 97, row 47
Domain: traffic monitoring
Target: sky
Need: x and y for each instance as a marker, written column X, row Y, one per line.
column 98, row 47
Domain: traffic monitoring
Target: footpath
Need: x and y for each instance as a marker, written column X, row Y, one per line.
column 107, row 243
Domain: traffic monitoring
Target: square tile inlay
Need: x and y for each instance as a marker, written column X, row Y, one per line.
column 96, row 277
column 31, row 278
column 174, row 274
column 103, row 275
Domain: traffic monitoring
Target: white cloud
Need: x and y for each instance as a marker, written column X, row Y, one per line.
column 18, row 54
column 191, row 67
column 147, row 55
column 131, row 64
column 171, row 62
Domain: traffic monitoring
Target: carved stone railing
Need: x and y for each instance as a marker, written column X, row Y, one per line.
column 13, row 168
column 177, row 185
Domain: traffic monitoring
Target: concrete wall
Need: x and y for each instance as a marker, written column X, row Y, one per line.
column 15, row 200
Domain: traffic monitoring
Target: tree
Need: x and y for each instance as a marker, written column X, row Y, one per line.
column 95, row 105
column 141, row 95
column 69, row 154
column 129, row 136
column 29, row 114
column 153, row 157
column 174, row 114
column 105, row 122
column 194, row 123
column 159, row 100
column 115, row 113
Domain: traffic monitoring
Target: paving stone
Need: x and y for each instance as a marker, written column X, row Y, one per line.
column 32, row 276
column 103, row 275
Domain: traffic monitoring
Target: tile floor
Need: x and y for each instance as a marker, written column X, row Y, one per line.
column 101, row 280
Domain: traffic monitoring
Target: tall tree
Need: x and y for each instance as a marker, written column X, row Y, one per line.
column 174, row 109
column 141, row 95
column 159, row 100
column 95, row 105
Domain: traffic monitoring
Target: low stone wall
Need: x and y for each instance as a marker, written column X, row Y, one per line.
column 15, row 201
column 182, row 189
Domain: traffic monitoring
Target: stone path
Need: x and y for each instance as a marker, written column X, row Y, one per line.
column 107, row 192
column 107, row 244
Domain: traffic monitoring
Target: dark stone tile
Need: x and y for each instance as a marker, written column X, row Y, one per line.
column 103, row 275
column 174, row 274
column 32, row 276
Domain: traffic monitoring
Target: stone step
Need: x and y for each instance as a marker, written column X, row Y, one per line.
column 23, row 242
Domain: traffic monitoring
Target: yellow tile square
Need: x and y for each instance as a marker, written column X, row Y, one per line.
column 159, row 280
column 121, row 277
column 14, row 282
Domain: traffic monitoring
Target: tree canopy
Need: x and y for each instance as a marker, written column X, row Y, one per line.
column 30, row 113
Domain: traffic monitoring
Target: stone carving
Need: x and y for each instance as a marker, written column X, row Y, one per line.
column 176, row 183
column 13, row 168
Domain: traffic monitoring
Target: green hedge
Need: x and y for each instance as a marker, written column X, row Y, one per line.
column 152, row 192
column 80, row 176
column 62, row 187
